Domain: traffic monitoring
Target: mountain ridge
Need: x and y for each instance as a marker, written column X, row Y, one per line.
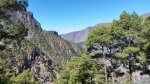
column 80, row 36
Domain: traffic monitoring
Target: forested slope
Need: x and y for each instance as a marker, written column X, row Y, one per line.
column 43, row 53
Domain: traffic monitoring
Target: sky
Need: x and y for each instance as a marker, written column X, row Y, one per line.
column 66, row 16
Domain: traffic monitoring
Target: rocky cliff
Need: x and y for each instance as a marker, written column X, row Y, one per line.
column 27, row 19
column 43, row 53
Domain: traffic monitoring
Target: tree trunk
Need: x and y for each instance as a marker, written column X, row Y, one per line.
column 112, row 68
column 130, row 71
column 113, row 77
column 104, row 59
column 113, row 73
column 130, row 65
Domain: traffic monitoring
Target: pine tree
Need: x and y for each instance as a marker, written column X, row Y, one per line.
column 82, row 70
column 144, row 43
column 25, row 77
column 120, row 42
column 130, row 53
column 99, row 42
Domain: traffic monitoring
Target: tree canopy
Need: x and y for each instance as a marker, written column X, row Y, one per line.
column 82, row 70
column 125, row 42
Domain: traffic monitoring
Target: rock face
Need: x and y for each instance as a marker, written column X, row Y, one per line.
column 44, row 53
column 28, row 20
column 80, row 36
column 137, row 78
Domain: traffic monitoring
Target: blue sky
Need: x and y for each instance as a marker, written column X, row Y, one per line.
column 66, row 16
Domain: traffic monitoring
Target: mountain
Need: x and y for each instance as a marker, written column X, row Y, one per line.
column 145, row 15
column 77, row 36
column 80, row 36
column 44, row 53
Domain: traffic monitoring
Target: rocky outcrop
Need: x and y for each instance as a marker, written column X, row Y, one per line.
column 137, row 78
column 28, row 20
column 54, row 32
column 80, row 36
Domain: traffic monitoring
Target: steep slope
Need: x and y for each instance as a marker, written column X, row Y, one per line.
column 44, row 53
column 28, row 20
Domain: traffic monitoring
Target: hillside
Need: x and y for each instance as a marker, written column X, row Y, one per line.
column 44, row 53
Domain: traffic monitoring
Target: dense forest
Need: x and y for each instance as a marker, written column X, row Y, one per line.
column 111, row 51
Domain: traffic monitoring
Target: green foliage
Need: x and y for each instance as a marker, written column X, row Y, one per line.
column 129, row 41
column 145, row 33
column 4, row 67
column 145, row 41
column 82, row 70
column 5, row 79
column 98, row 36
column 25, row 77
column 126, row 41
column 102, row 42
column 12, row 5
column 14, row 31
column 131, row 49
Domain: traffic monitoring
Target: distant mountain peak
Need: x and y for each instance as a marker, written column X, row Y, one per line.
column 145, row 15
column 80, row 36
